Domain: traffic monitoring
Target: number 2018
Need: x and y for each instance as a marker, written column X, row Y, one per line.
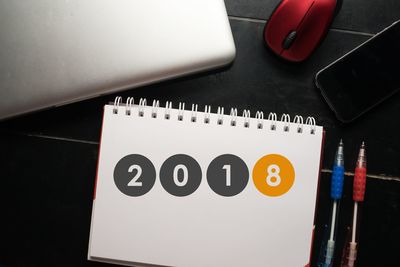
column 180, row 175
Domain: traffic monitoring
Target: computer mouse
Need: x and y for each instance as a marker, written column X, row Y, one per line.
column 296, row 27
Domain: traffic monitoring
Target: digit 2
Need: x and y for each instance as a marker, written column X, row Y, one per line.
column 142, row 180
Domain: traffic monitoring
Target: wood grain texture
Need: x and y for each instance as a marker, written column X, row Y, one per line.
column 368, row 16
column 47, row 179
column 46, row 197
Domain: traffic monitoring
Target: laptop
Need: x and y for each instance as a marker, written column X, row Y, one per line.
column 54, row 52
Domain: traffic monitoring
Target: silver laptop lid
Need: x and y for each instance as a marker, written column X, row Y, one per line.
column 53, row 52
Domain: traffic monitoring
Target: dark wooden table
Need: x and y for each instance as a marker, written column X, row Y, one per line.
column 48, row 159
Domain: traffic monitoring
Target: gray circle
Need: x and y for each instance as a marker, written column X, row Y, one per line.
column 180, row 175
column 134, row 175
column 227, row 175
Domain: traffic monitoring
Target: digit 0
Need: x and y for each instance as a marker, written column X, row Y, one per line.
column 185, row 175
column 180, row 175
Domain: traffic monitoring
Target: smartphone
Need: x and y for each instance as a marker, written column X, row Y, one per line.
column 364, row 77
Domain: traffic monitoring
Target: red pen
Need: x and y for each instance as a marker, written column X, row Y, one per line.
column 358, row 196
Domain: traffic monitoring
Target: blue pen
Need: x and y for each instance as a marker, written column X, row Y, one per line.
column 336, row 195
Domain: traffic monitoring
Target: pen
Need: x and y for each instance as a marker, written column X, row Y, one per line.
column 358, row 196
column 336, row 195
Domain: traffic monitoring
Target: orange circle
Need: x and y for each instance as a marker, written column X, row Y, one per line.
column 273, row 175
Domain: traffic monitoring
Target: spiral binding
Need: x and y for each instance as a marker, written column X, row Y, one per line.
column 154, row 109
column 193, row 117
column 168, row 107
column 272, row 117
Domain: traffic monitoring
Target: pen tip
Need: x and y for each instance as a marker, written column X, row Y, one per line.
column 362, row 153
column 339, row 154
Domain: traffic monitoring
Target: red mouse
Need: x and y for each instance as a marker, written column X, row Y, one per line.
column 296, row 27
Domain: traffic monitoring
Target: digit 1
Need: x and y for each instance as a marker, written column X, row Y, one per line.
column 185, row 175
column 227, row 169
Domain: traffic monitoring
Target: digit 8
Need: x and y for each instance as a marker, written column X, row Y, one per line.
column 273, row 178
column 273, row 175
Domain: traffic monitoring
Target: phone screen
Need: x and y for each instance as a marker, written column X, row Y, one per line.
column 364, row 77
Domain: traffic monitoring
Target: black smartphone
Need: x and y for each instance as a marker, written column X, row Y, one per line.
column 364, row 77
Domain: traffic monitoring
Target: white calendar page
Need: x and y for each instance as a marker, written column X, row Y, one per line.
column 175, row 193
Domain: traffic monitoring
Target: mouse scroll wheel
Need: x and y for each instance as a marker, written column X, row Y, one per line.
column 289, row 39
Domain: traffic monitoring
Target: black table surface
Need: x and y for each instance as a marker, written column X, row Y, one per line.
column 48, row 159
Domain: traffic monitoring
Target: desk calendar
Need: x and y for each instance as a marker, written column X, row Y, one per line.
column 179, row 187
